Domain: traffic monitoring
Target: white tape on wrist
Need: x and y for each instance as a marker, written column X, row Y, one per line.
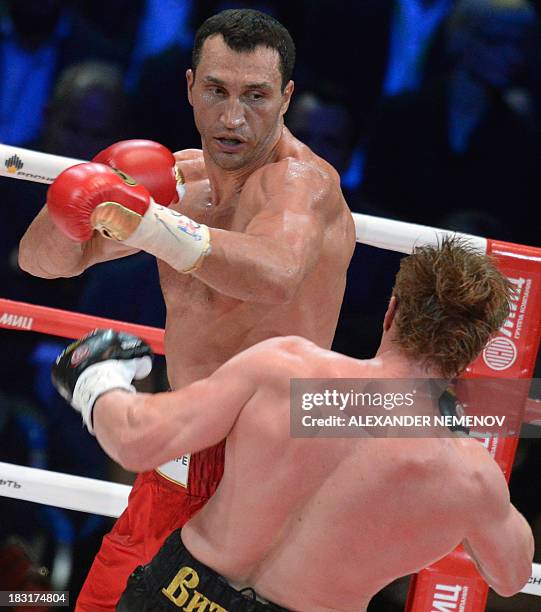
column 96, row 380
column 172, row 237
column 181, row 191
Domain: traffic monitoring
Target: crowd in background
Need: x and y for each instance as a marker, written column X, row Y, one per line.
column 430, row 110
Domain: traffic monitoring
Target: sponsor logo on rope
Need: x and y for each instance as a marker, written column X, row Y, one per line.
column 10, row 483
column 13, row 164
column 449, row 597
column 11, row 320
column 501, row 352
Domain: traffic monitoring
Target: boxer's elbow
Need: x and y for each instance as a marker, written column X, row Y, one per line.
column 36, row 263
column 130, row 461
column 516, row 575
column 511, row 585
column 137, row 460
column 517, row 567
column 131, row 455
column 28, row 262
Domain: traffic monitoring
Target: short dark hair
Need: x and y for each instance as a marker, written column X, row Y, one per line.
column 244, row 30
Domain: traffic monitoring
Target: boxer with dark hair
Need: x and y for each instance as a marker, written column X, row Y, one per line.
column 253, row 239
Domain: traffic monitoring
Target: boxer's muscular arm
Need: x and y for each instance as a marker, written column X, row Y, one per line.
column 501, row 541
column 46, row 252
column 281, row 244
column 143, row 431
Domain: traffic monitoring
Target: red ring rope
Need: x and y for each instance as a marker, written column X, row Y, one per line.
column 56, row 322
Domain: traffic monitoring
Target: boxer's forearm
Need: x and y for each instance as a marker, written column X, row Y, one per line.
column 250, row 268
column 142, row 431
column 116, row 428
column 46, row 252
column 137, row 429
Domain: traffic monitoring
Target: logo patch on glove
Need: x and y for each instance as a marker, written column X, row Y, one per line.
column 79, row 354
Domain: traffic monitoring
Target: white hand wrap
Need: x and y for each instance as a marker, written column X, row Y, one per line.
column 181, row 190
column 171, row 237
column 105, row 376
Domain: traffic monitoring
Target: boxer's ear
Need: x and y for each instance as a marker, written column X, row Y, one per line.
column 389, row 315
column 286, row 97
column 190, row 79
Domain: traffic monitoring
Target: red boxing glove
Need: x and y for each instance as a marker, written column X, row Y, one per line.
column 74, row 198
column 149, row 163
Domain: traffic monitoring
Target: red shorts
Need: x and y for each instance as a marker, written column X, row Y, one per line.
column 156, row 507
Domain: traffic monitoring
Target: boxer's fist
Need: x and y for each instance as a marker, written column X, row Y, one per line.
column 149, row 163
column 93, row 196
column 101, row 361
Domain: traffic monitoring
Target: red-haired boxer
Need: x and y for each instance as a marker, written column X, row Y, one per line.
column 318, row 523
column 258, row 246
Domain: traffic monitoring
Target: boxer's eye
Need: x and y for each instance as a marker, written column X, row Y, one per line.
column 255, row 96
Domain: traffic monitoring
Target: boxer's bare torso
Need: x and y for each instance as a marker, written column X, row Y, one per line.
column 323, row 524
column 205, row 327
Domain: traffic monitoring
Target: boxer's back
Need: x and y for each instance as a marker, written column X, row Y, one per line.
column 298, row 516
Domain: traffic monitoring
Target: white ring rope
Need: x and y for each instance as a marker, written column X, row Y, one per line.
column 387, row 234
column 34, row 166
column 534, row 583
column 403, row 237
column 63, row 490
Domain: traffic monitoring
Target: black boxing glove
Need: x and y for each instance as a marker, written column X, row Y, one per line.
column 101, row 361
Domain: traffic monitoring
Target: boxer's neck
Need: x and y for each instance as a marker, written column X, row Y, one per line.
column 225, row 184
column 393, row 360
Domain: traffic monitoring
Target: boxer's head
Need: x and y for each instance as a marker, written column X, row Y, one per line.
column 240, row 85
column 448, row 300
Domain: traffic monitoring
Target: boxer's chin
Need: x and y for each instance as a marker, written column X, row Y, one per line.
column 227, row 160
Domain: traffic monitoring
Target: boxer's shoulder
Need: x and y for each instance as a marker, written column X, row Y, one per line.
column 482, row 471
column 297, row 151
column 294, row 170
column 280, row 358
column 302, row 180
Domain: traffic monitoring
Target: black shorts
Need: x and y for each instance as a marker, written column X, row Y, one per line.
column 174, row 580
